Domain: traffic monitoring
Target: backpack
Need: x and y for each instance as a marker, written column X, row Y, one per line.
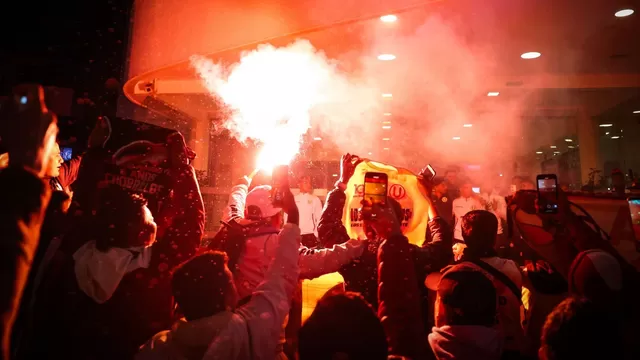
column 232, row 238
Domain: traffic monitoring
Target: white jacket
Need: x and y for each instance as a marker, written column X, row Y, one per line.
column 259, row 252
column 250, row 332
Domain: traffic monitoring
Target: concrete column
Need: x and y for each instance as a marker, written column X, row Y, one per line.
column 587, row 131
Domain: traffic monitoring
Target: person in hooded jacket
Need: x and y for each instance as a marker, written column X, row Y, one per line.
column 115, row 291
column 246, row 207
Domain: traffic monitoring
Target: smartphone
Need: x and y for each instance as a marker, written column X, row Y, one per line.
column 634, row 209
column 279, row 185
column 66, row 153
column 547, row 193
column 428, row 172
column 375, row 192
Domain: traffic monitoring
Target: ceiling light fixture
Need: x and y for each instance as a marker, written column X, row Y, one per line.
column 317, row 138
column 388, row 18
column 386, row 127
column 334, row 175
column 493, row 93
column 606, row 125
column 623, row 13
column 456, row 138
column 467, row 125
column 615, row 137
column 530, row 55
column 385, row 148
column 607, row 133
column 539, row 152
column 387, row 114
column 387, row 95
column 386, row 122
column 568, row 140
column 553, row 146
column 637, row 112
column 571, row 147
column 556, row 152
column 386, row 57
column 385, row 139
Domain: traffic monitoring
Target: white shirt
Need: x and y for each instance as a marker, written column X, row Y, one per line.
column 310, row 210
column 461, row 206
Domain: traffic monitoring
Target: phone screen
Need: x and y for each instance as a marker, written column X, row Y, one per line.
column 375, row 191
column 66, row 153
column 634, row 209
column 547, row 194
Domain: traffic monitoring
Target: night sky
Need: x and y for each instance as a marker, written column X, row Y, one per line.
column 68, row 43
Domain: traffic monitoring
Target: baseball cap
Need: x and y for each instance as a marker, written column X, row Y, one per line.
column 469, row 291
column 595, row 274
column 258, row 203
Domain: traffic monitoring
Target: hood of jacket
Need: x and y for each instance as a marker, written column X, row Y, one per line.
column 462, row 342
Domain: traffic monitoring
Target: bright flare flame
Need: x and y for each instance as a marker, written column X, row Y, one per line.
column 270, row 93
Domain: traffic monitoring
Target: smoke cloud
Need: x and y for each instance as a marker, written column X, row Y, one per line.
column 436, row 84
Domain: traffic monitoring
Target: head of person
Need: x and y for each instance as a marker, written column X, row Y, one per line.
column 54, row 163
column 259, row 207
column 123, row 220
column 203, row 286
column 466, row 188
column 597, row 276
column 479, row 231
column 440, row 186
column 380, row 228
column 465, row 296
column 304, row 184
column 527, row 185
column 578, row 329
column 342, row 326
column 451, row 176
column 617, row 178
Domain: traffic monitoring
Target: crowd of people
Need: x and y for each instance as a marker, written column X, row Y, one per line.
column 89, row 272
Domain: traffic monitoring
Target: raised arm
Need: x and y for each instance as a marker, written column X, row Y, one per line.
column 314, row 263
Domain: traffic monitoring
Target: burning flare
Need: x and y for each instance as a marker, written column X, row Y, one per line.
column 270, row 93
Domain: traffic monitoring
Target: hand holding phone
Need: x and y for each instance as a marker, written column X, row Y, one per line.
column 279, row 185
column 547, row 193
column 375, row 192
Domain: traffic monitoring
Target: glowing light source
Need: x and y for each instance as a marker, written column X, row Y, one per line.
column 615, row 137
column 387, row 114
column 538, row 152
column 467, row 125
column 636, row 112
column 553, row 146
column 386, row 127
column 556, row 152
column 624, row 13
column 334, row 175
column 500, row 174
column 385, row 149
column 606, row 125
column 530, row 55
column 387, row 95
column 317, row 138
column 568, row 140
column 386, row 122
column 385, row 139
column 571, row 147
column 388, row 18
column 386, row 57
column 493, row 93
column 456, row 138
column 607, row 133
column 23, row 100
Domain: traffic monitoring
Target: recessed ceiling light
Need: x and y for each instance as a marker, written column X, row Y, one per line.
column 615, row 137
column 386, row 57
column 385, row 139
column 606, row 125
column 386, row 127
column 637, row 112
column 386, row 122
column 317, row 138
column 553, row 146
column 370, row 153
column 493, row 93
column 571, row 147
column 568, row 140
column 530, row 55
column 556, row 152
column 500, row 174
column 387, row 114
column 624, row 13
column 387, row 95
column 385, row 148
column 467, row 125
column 388, row 18
column 334, row 175
column 538, row 152
column 456, row 138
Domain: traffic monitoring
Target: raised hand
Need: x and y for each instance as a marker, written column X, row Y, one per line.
column 348, row 164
